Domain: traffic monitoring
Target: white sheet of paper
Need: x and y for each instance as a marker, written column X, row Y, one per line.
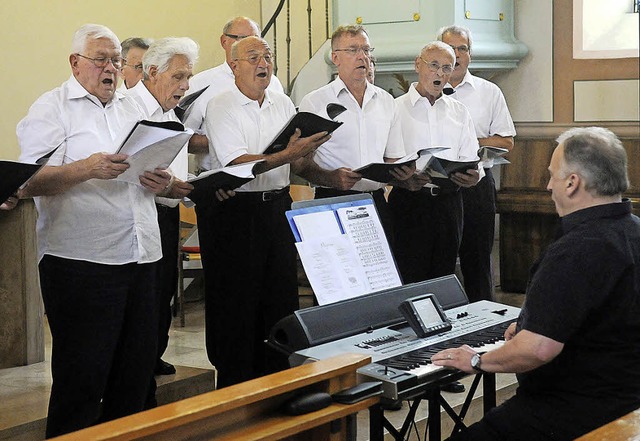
column 332, row 268
column 318, row 224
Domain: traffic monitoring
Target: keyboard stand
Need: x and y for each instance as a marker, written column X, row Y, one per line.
column 436, row 402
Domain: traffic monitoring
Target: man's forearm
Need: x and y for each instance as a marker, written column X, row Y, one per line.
column 525, row 352
column 307, row 169
column 53, row 180
column 505, row 142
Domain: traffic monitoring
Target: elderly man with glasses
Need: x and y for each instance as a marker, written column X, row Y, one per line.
column 255, row 280
column 370, row 133
column 98, row 240
column 428, row 220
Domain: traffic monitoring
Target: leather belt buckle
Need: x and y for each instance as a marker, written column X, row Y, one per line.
column 268, row 196
column 434, row 191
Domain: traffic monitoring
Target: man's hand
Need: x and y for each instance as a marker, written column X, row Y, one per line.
column 299, row 147
column 105, row 166
column 343, row 178
column 157, row 181
column 468, row 179
column 178, row 189
column 459, row 358
column 10, row 203
column 403, row 172
column 510, row 332
column 416, row 182
column 223, row 195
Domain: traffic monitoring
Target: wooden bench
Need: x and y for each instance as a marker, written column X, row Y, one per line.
column 625, row 428
column 250, row 410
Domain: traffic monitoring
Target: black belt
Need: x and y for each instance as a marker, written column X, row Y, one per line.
column 326, row 192
column 264, row 196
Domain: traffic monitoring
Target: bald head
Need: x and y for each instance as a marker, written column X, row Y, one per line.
column 235, row 30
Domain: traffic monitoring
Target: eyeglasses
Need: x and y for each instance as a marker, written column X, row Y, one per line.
column 353, row 51
column 255, row 59
column 132, row 66
column 102, row 62
column 463, row 48
column 435, row 67
column 236, row 37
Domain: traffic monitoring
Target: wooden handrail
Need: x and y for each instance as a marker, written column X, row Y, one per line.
column 249, row 410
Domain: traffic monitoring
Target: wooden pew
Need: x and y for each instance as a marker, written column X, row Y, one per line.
column 250, row 410
column 625, row 428
column 528, row 219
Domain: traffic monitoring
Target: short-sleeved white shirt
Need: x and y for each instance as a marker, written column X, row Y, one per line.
column 237, row 125
column 101, row 221
column 487, row 106
column 369, row 134
column 219, row 79
column 446, row 123
column 153, row 111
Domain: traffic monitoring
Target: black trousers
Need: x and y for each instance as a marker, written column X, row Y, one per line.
column 167, row 280
column 427, row 232
column 249, row 259
column 477, row 238
column 104, row 331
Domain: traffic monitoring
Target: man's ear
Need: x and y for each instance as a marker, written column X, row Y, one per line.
column 153, row 73
column 573, row 182
column 73, row 61
column 334, row 57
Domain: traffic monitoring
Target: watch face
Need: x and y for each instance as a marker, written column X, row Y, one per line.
column 475, row 361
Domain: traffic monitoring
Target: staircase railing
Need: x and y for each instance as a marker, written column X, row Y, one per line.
column 277, row 19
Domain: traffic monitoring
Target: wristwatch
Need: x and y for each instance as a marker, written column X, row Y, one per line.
column 476, row 363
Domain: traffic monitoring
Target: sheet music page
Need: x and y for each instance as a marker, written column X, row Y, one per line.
column 364, row 230
column 157, row 155
column 318, row 224
column 332, row 268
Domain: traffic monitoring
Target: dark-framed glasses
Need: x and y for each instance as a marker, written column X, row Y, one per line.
column 463, row 48
column 255, row 58
column 102, row 62
column 353, row 51
column 435, row 67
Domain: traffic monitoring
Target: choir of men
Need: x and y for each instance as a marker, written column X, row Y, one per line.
column 107, row 247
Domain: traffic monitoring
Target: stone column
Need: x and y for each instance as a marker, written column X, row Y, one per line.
column 21, row 310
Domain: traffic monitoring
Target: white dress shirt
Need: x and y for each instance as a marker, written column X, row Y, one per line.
column 153, row 111
column 219, row 79
column 237, row 125
column 487, row 106
column 446, row 123
column 369, row 134
column 101, row 221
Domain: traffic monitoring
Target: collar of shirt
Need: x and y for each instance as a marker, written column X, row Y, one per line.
column 244, row 100
column 339, row 87
column 151, row 105
column 416, row 98
column 576, row 218
column 76, row 91
column 467, row 79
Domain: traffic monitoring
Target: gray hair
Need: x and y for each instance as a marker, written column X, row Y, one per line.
column 131, row 42
column 352, row 30
column 598, row 156
column 439, row 45
column 161, row 52
column 94, row 32
column 456, row 30
column 227, row 27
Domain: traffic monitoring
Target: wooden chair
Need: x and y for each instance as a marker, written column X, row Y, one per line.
column 189, row 260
